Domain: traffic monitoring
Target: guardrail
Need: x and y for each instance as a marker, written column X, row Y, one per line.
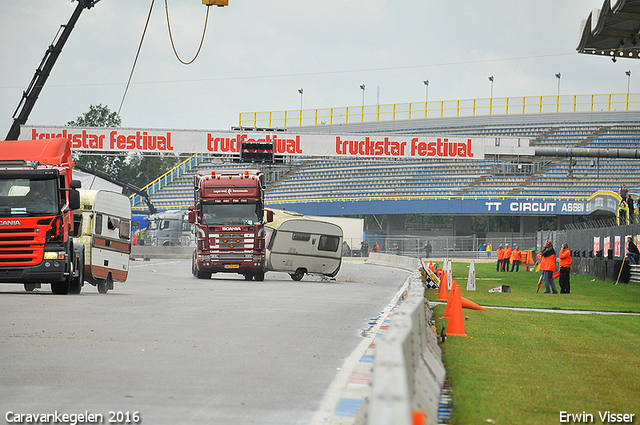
column 443, row 108
column 408, row 373
column 171, row 175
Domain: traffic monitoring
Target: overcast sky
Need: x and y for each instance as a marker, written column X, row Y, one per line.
column 258, row 53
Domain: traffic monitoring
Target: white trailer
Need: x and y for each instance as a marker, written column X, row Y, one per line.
column 300, row 245
column 103, row 225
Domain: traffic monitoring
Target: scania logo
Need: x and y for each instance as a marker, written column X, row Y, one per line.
column 231, row 228
column 10, row 223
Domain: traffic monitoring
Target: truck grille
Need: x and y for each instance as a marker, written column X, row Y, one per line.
column 29, row 252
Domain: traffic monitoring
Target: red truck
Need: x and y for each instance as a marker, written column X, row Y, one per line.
column 37, row 196
column 228, row 214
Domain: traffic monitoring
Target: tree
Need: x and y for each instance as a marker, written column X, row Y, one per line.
column 134, row 168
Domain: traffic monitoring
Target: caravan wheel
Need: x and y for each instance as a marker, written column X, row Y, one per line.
column 105, row 284
column 298, row 275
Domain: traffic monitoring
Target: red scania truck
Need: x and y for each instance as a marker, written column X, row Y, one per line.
column 37, row 196
column 228, row 214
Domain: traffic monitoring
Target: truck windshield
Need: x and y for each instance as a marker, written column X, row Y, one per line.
column 23, row 196
column 249, row 213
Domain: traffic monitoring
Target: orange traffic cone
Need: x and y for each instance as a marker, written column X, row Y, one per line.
column 443, row 292
column 470, row 304
column 447, row 309
column 455, row 327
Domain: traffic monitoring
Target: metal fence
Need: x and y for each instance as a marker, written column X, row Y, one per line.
column 468, row 247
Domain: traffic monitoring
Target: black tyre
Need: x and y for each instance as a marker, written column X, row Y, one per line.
column 77, row 282
column 105, row 284
column 298, row 275
column 29, row 287
column 249, row 276
column 260, row 276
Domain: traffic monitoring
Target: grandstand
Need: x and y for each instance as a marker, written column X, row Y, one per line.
column 350, row 180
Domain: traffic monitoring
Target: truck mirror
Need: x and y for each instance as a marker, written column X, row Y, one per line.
column 269, row 216
column 192, row 217
column 75, row 184
column 74, row 199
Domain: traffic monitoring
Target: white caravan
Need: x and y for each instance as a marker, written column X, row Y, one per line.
column 103, row 225
column 300, row 245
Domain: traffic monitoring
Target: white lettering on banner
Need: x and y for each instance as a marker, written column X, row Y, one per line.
column 532, row 206
column 284, row 143
column 572, row 207
column 493, row 204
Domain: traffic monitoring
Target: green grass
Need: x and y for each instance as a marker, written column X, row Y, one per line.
column 521, row 367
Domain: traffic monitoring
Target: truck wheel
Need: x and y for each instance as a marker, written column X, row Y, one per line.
column 249, row 276
column 105, row 284
column 260, row 276
column 298, row 275
column 61, row 288
column 29, row 287
column 77, row 282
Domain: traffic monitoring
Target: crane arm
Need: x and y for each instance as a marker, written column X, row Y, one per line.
column 30, row 96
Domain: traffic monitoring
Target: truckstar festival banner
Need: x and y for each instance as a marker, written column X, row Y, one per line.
column 284, row 142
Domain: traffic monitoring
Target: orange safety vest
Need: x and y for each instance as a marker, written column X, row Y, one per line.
column 548, row 263
column 500, row 253
column 517, row 255
column 565, row 258
column 507, row 253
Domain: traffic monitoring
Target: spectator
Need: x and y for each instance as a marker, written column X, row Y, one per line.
column 548, row 266
column 622, row 191
column 346, row 249
column 516, row 257
column 364, row 248
column 376, row 247
column 395, row 249
column 630, row 206
column 427, row 249
column 489, row 250
column 633, row 255
column 622, row 213
column 565, row 269
column 506, row 258
column 500, row 255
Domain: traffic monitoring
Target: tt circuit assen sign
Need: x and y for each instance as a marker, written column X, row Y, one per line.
column 599, row 202
column 284, row 143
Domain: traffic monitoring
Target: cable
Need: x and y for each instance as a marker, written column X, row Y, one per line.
column 171, row 36
column 136, row 59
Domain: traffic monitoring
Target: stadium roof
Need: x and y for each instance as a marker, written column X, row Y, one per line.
column 613, row 31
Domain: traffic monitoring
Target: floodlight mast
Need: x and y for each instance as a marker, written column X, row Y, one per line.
column 30, row 96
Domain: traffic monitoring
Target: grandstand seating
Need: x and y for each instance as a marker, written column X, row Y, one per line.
column 334, row 178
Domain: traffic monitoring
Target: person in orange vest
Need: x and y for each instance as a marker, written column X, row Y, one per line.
column 565, row 269
column 548, row 266
column 500, row 255
column 516, row 257
column 506, row 258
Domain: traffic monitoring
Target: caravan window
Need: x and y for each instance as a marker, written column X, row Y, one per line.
column 328, row 243
column 98, row 224
column 125, row 229
column 304, row 237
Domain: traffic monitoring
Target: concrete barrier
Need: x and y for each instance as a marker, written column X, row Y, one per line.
column 149, row 252
column 408, row 373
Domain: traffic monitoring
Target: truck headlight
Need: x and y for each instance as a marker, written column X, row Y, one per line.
column 55, row 255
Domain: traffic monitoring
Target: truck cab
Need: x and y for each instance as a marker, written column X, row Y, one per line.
column 37, row 199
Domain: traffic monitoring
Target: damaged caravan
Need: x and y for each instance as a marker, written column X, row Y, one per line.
column 299, row 245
